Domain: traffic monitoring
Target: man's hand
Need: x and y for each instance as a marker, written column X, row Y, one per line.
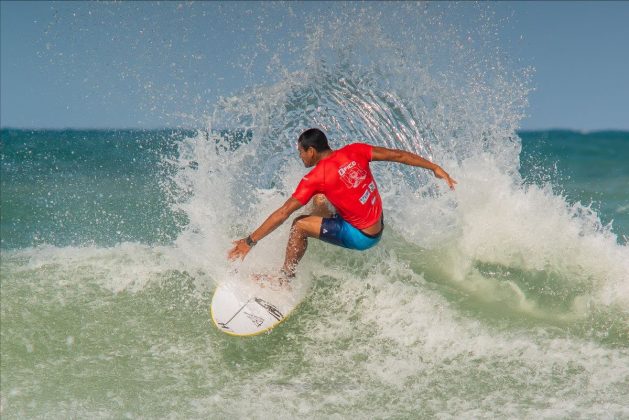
column 440, row 173
column 240, row 249
column 408, row 158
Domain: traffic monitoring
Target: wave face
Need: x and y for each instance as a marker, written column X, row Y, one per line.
column 502, row 298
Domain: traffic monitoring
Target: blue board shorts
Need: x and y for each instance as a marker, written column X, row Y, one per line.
column 335, row 230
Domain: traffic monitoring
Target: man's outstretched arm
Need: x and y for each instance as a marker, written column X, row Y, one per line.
column 271, row 223
column 408, row 158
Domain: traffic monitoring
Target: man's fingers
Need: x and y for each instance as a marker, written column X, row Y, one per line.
column 440, row 173
column 233, row 256
column 236, row 251
column 233, row 253
column 235, row 248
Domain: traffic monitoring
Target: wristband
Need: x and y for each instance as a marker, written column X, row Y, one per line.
column 250, row 242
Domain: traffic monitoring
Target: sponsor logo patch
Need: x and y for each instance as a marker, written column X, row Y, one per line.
column 365, row 196
column 352, row 174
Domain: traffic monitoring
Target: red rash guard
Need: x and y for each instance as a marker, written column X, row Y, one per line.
column 345, row 179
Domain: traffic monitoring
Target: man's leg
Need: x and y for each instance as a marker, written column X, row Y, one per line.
column 303, row 227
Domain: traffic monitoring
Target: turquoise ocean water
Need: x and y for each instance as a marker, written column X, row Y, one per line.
column 507, row 298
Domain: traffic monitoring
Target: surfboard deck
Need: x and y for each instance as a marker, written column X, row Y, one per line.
column 253, row 305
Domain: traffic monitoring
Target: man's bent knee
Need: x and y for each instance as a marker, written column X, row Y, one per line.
column 308, row 225
column 299, row 224
column 299, row 219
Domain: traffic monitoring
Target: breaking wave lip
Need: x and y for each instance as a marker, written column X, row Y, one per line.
column 494, row 222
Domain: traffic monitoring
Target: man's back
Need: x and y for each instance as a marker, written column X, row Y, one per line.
column 346, row 180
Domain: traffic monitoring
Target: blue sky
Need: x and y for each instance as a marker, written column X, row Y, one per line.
column 580, row 52
column 137, row 64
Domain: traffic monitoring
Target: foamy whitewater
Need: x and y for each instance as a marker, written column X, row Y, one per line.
column 502, row 299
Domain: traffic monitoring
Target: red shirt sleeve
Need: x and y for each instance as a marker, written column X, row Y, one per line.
column 306, row 189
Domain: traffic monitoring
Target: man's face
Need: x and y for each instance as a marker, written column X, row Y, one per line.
column 306, row 156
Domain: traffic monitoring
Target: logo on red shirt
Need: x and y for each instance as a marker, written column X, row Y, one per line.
column 352, row 174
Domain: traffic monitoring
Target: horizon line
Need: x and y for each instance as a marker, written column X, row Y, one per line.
column 576, row 130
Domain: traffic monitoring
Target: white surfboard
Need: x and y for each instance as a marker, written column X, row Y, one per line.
column 247, row 307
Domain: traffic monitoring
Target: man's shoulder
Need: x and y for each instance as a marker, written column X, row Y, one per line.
column 355, row 144
column 357, row 147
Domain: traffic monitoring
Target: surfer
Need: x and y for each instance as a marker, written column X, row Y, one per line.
column 343, row 178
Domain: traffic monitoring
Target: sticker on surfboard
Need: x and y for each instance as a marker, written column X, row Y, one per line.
column 254, row 305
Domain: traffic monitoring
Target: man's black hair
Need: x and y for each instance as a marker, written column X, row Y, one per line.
column 313, row 137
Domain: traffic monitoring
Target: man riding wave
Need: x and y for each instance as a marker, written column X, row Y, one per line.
column 344, row 178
